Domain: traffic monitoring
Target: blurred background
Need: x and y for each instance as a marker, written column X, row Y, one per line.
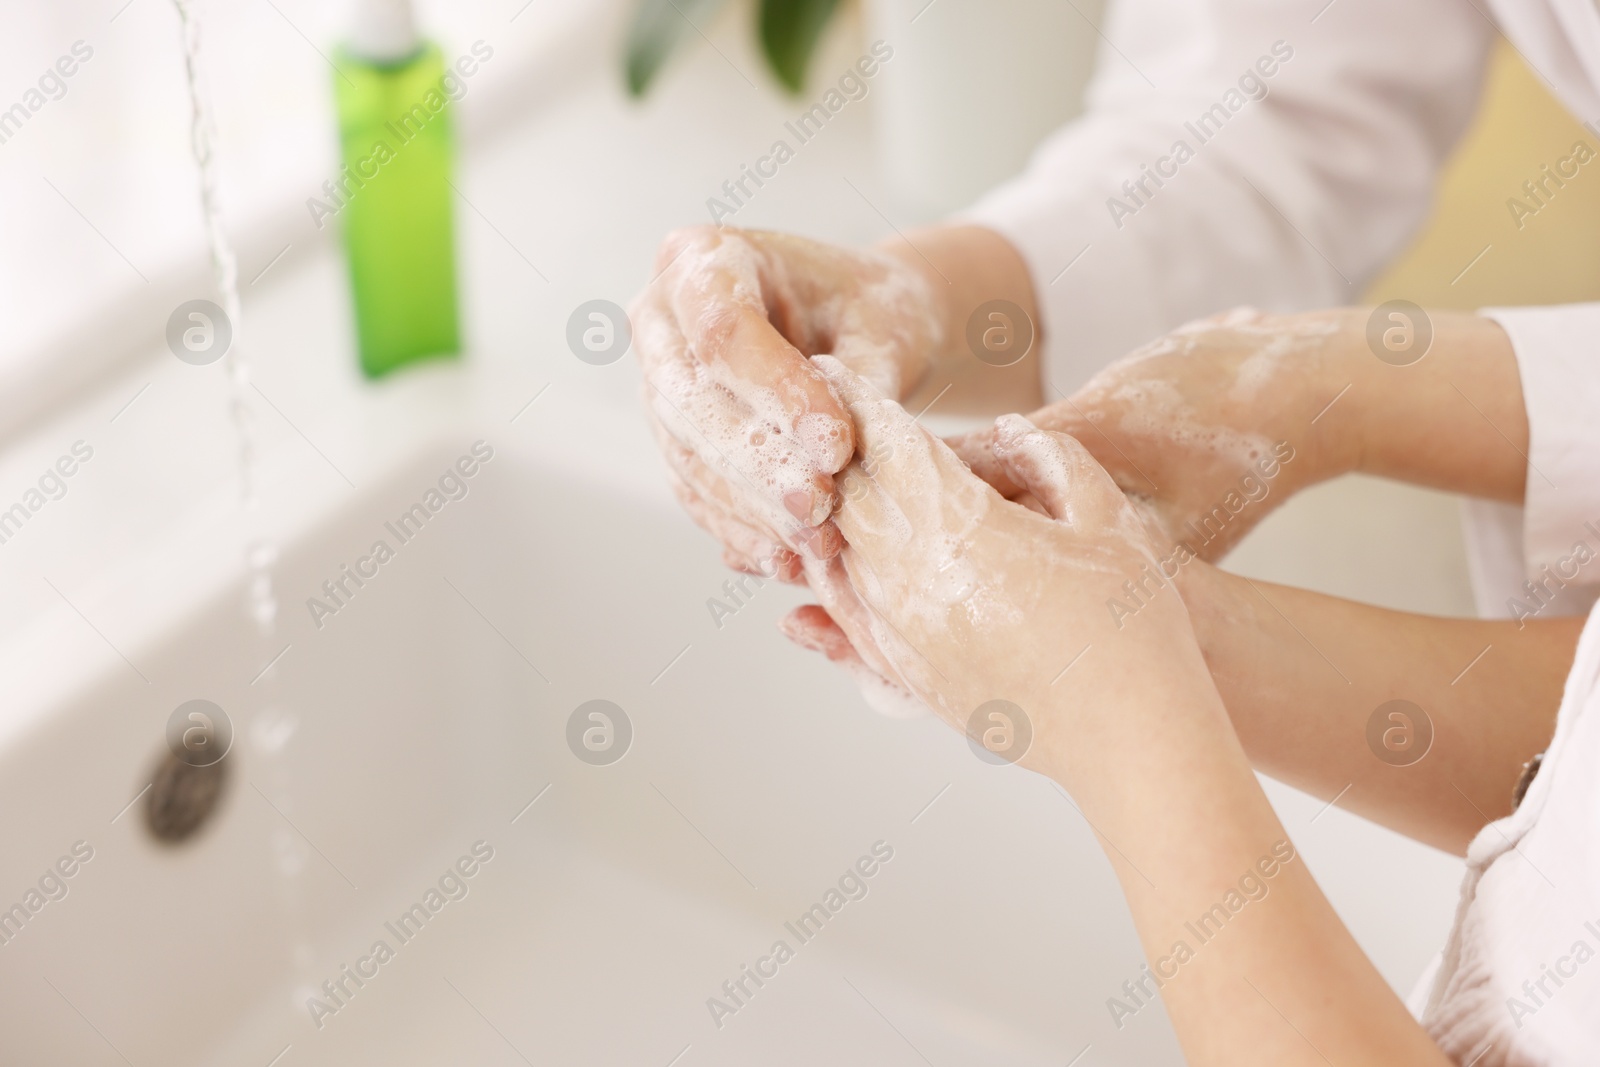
column 374, row 749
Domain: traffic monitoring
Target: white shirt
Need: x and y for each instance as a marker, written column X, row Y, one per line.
column 1519, row 981
column 1280, row 154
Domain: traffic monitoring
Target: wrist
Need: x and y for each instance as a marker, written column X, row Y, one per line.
column 1445, row 417
column 1218, row 603
column 1100, row 740
column 964, row 267
column 928, row 254
column 1336, row 402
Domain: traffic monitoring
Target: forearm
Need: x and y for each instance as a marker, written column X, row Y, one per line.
column 967, row 267
column 1303, row 675
column 1253, row 965
column 1454, row 419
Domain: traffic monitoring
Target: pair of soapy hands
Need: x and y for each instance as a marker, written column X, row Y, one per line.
column 973, row 569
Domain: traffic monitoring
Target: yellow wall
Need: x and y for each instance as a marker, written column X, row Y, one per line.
column 1555, row 257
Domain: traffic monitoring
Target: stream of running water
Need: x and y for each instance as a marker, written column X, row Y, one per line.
column 270, row 724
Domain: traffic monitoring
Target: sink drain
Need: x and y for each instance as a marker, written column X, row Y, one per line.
column 183, row 797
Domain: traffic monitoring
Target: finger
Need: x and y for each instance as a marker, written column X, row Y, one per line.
column 739, row 431
column 745, row 547
column 1059, row 472
column 905, row 475
column 878, row 326
column 708, row 492
column 813, row 628
column 976, row 450
column 744, row 508
column 810, row 626
column 789, row 568
column 818, row 542
column 738, row 562
column 1083, row 417
column 832, row 587
column 783, row 565
column 718, row 304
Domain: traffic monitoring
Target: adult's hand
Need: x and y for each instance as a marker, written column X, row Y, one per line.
column 752, row 433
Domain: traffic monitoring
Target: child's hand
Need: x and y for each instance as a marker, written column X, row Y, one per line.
column 1211, row 426
column 969, row 598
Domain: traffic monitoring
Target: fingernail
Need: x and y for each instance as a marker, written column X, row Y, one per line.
column 809, row 539
column 791, row 569
column 800, row 504
column 821, row 542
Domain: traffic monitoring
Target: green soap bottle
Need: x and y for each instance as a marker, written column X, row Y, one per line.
column 396, row 147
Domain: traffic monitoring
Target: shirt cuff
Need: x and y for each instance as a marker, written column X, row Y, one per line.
column 1560, row 369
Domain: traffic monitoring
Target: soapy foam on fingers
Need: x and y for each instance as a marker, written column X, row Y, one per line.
column 746, row 437
column 744, row 544
column 709, row 502
column 914, row 489
column 718, row 300
column 908, row 521
column 722, row 495
column 777, row 463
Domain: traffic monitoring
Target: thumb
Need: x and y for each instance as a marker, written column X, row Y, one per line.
column 976, row 450
column 1059, row 472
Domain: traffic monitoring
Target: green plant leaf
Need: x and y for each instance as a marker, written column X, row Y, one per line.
column 790, row 30
column 658, row 28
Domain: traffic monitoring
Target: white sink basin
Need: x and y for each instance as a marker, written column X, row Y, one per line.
column 429, row 711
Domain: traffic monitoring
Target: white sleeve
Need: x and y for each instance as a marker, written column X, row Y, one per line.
column 1545, row 557
column 1183, row 190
